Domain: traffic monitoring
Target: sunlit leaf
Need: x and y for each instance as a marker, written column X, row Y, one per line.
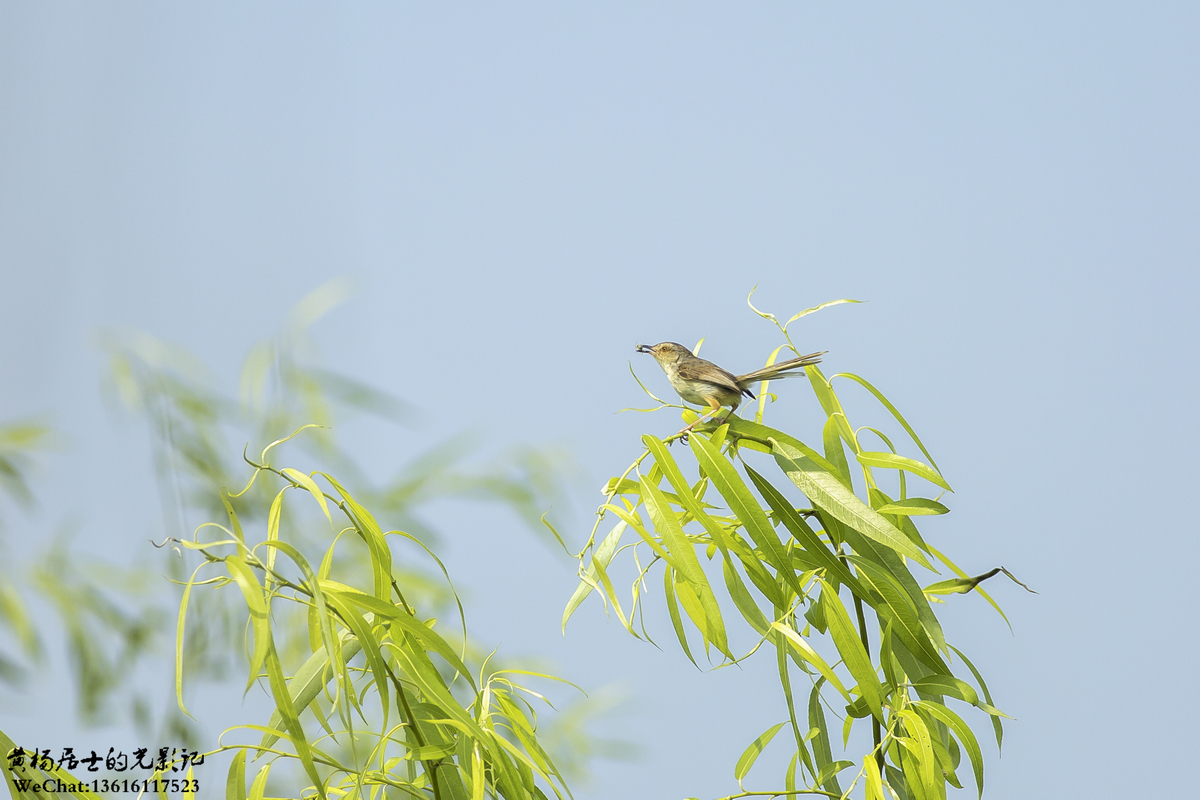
column 851, row 649
column 684, row 557
column 893, row 461
column 692, row 504
column 896, row 609
column 724, row 476
column 308, row 483
column 961, row 730
column 235, row 782
column 821, row 742
column 814, row 309
column 804, row 649
column 825, row 490
column 923, row 752
column 914, row 507
column 601, row 557
column 891, row 408
column 260, row 624
column 746, row 762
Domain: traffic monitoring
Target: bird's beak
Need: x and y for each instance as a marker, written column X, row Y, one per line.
column 645, row 348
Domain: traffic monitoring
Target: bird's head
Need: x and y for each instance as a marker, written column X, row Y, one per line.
column 665, row 352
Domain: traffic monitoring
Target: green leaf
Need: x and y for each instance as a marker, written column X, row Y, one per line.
column 433, row 689
column 961, row 730
column 370, row 643
column 889, row 560
column 260, row 624
column 234, row 524
column 785, row 680
column 831, row 769
column 429, row 753
column 691, row 503
column 835, row 452
column 979, row 589
column 916, row 727
column 744, row 429
column 801, row 532
column 632, row 520
column 259, row 787
column 822, row 752
column 893, row 461
column 273, row 525
column 235, row 782
column 815, row 309
column 888, row 405
column 690, row 600
column 762, row 314
column 268, row 448
column 963, row 585
column 804, row 649
column 429, row 639
column 308, row 483
column 306, row 684
column 947, row 685
column 826, row 491
column 742, row 599
column 828, row 399
column 745, row 508
column 896, row 610
column 609, row 593
column 686, row 563
column 851, row 649
column 616, row 486
column 602, row 556
column 789, row 778
column 372, row 534
column 283, row 702
column 673, row 610
column 873, row 781
column 879, row 499
column 750, row 755
column 324, row 623
column 181, row 620
column 956, row 585
column 914, row 507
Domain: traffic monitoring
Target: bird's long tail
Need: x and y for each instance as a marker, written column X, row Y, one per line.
column 781, row 369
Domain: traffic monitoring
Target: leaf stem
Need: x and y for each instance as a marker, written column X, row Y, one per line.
column 781, row 793
column 876, row 731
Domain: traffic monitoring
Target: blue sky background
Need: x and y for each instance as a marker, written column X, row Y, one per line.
column 523, row 192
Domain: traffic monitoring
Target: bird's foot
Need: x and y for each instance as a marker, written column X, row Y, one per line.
column 683, row 434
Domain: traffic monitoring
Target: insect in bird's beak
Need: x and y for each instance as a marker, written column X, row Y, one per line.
column 645, row 348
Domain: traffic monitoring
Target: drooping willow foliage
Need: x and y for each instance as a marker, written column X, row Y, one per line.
column 825, row 577
column 381, row 700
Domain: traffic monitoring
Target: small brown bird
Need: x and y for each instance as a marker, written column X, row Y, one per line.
column 705, row 384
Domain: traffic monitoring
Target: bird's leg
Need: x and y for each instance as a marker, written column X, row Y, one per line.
column 716, row 406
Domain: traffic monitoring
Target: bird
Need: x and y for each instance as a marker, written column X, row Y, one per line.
column 705, row 384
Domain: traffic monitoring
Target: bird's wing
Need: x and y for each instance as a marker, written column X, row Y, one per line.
column 697, row 369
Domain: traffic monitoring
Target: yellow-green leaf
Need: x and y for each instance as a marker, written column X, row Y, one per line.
column 308, row 483
column 826, row 491
column 746, row 762
column 893, row 461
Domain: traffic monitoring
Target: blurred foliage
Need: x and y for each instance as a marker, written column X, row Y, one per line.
column 823, row 580
column 19, row 441
column 370, row 696
column 116, row 616
column 19, row 444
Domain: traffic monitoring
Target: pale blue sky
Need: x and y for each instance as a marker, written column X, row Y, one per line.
column 523, row 192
